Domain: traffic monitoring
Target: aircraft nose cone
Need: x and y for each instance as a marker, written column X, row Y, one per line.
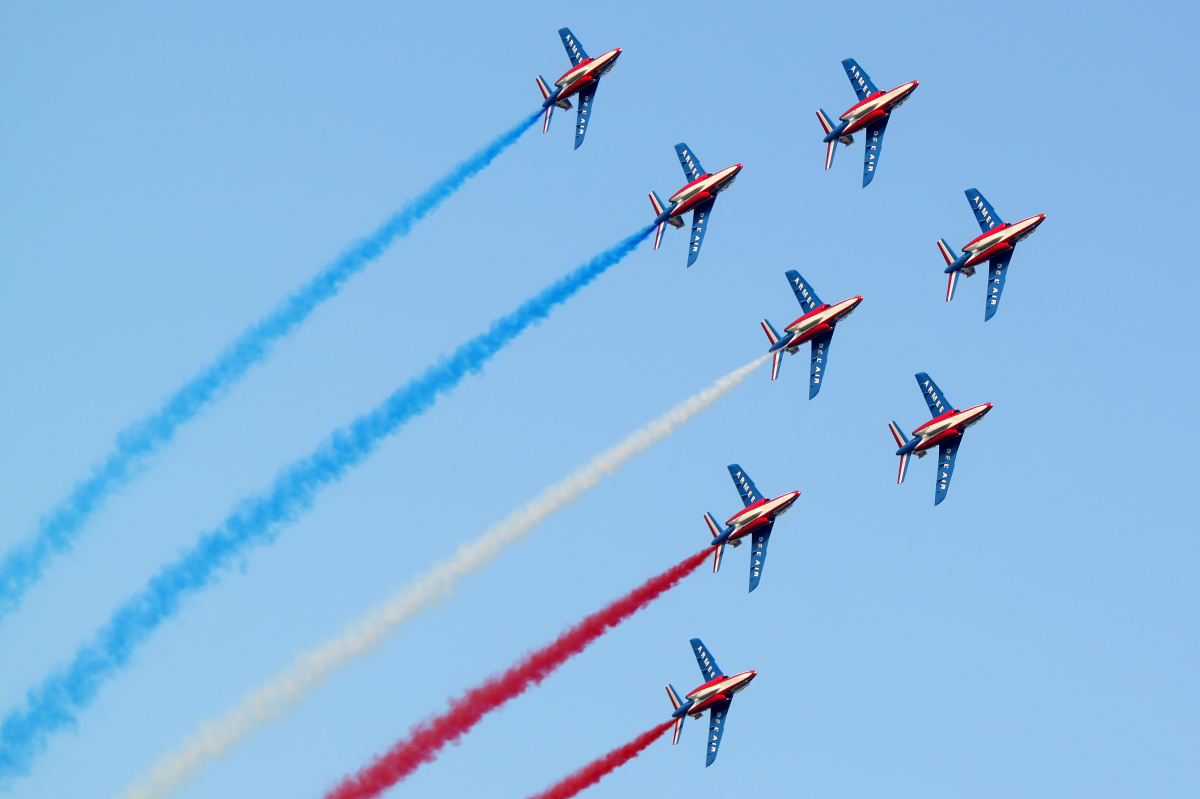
column 737, row 168
column 987, row 408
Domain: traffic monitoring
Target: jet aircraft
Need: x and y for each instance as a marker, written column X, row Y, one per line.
column 871, row 112
column 697, row 196
column 580, row 80
column 995, row 245
column 816, row 325
column 757, row 518
column 715, row 696
column 945, row 431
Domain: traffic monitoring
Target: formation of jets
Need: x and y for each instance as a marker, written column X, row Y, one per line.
column 870, row 116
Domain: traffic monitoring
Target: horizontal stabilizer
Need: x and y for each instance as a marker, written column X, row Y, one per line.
column 675, row 221
column 564, row 104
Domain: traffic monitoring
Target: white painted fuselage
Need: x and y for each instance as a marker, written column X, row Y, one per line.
column 764, row 509
column 586, row 73
column 875, row 106
column 954, row 422
column 823, row 317
column 1001, row 238
column 718, row 690
column 703, row 188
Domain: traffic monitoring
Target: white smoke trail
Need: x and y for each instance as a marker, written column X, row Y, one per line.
column 360, row 638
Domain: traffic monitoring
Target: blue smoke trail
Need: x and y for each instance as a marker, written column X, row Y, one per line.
column 56, row 533
column 56, row 703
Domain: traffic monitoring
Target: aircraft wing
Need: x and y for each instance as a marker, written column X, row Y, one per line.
column 699, row 225
column 758, row 554
column 984, row 215
column 949, row 451
column 937, row 402
column 858, row 79
column 575, row 50
column 716, row 725
column 820, row 351
column 585, row 111
column 805, row 295
column 997, row 270
column 745, row 485
column 708, row 666
column 689, row 162
column 871, row 148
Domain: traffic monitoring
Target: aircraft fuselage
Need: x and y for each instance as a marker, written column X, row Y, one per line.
column 814, row 323
column 949, row 424
column 712, row 692
column 1000, row 238
column 877, row 106
column 702, row 189
column 579, row 77
column 760, row 513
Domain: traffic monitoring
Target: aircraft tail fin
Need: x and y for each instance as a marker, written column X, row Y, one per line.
column 777, row 356
column 543, row 87
column 673, row 695
column 902, row 441
column 831, row 146
column 720, row 550
column 772, row 336
column 954, row 267
column 678, row 729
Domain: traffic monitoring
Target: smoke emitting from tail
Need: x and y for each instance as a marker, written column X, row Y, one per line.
column 600, row 768
column 361, row 638
column 24, row 564
column 56, row 703
column 427, row 738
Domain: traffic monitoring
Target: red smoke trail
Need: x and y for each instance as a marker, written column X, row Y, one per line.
column 595, row 771
column 425, row 739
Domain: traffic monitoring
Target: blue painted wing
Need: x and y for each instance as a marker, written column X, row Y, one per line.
column 575, row 50
column 708, row 666
column 984, row 215
column 585, row 112
column 820, row 352
column 805, row 295
column 858, row 79
column 699, row 225
column 872, row 146
column 937, row 402
column 745, row 485
column 948, row 452
column 716, row 725
column 758, row 554
column 997, row 270
column 689, row 162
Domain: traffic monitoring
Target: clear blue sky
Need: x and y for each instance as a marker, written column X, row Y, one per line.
column 169, row 174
